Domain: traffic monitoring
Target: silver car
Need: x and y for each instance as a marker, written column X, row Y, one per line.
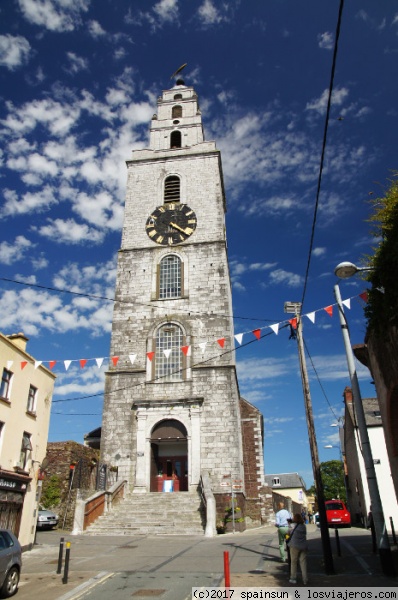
column 46, row 519
column 10, row 563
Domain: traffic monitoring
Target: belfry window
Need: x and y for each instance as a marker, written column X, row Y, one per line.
column 176, row 112
column 178, row 97
column 172, row 189
column 170, row 277
column 168, row 354
column 175, row 139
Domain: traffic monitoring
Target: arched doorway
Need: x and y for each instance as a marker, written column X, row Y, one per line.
column 169, row 456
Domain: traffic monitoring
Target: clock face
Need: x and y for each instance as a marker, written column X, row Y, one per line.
column 171, row 224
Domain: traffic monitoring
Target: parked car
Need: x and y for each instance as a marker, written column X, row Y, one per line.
column 337, row 514
column 10, row 563
column 46, row 519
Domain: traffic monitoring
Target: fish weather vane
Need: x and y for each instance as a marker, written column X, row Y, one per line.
column 178, row 70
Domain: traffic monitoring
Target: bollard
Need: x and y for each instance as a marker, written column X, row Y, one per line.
column 337, row 541
column 227, row 576
column 66, row 568
column 60, row 554
column 394, row 539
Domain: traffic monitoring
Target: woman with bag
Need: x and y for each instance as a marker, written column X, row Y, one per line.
column 297, row 543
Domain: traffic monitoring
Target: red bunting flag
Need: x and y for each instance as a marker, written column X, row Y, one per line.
column 150, row 355
column 52, row 363
column 185, row 350
column 329, row 310
column 221, row 342
column 82, row 362
column 364, row 296
column 23, row 364
column 293, row 323
column 257, row 333
column 115, row 359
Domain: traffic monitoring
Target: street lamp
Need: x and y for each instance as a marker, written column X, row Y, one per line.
column 295, row 308
column 344, row 270
column 377, row 511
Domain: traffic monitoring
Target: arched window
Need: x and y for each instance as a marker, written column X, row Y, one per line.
column 176, row 112
column 175, row 139
column 168, row 354
column 177, row 96
column 172, row 189
column 170, row 277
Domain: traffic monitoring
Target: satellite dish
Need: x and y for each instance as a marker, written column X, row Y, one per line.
column 179, row 70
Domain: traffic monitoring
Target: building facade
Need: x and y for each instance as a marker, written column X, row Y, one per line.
column 172, row 405
column 25, row 403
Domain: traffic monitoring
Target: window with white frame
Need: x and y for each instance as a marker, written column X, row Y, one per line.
column 276, row 481
column 168, row 354
column 5, row 388
column 31, row 406
column 170, row 277
column 26, row 449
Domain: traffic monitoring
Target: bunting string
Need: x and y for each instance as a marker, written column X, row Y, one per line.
column 186, row 350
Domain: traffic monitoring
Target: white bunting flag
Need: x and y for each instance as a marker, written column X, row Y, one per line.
column 99, row 362
column 9, row 364
column 202, row 346
column 275, row 328
column 347, row 303
column 67, row 364
column 239, row 338
column 167, row 353
column 311, row 316
column 37, row 363
column 132, row 358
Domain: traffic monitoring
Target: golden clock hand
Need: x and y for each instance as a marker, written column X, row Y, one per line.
column 178, row 227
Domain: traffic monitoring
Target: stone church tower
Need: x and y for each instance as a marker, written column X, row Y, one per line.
column 172, row 409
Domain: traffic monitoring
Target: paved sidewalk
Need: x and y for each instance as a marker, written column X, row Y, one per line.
column 168, row 562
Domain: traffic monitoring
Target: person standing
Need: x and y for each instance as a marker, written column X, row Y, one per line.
column 282, row 518
column 298, row 549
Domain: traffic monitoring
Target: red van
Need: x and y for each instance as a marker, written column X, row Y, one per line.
column 337, row 514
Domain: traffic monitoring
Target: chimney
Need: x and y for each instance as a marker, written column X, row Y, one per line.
column 347, row 395
column 19, row 339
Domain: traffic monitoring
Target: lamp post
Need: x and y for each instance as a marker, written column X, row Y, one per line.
column 295, row 308
column 347, row 270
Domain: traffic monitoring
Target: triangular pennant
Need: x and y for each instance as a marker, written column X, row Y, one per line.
column 37, row 363
column 150, row 355
column 52, row 363
column 99, row 362
column 9, row 364
column 82, row 362
column 329, row 310
column 239, row 338
column 257, row 333
column 67, row 364
column 347, row 303
column 114, row 359
column 221, row 342
column 202, row 346
column 167, row 352
column 23, row 364
column 186, row 350
column 364, row 296
column 275, row 328
column 293, row 323
column 311, row 316
column 132, row 358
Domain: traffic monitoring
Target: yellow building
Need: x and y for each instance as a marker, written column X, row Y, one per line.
column 26, row 390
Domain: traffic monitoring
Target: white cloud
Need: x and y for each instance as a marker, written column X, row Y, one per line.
column 29, row 202
column 76, row 63
column 319, row 104
column 208, row 13
column 279, row 276
column 14, row 51
column 162, row 13
column 54, row 15
column 11, row 253
column 325, row 40
column 319, row 251
column 95, row 29
column 70, row 232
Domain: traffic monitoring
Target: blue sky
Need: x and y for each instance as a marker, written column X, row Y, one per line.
column 79, row 83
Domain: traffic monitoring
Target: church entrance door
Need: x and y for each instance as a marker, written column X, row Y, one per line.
column 169, row 457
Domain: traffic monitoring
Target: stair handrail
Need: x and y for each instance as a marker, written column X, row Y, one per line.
column 209, row 502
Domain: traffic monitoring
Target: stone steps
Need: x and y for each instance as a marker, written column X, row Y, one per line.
column 175, row 513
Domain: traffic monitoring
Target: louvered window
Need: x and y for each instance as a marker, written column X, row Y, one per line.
column 172, row 189
column 175, row 139
column 176, row 112
column 168, row 354
column 170, row 277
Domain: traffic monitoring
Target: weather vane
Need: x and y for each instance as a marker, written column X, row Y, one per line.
column 178, row 70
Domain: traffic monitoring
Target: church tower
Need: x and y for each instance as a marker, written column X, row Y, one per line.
column 172, row 406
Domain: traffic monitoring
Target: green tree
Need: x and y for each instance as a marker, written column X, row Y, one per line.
column 51, row 494
column 333, row 480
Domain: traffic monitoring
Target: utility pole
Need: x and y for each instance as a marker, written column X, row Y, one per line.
column 295, row 307
column 383, row 543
